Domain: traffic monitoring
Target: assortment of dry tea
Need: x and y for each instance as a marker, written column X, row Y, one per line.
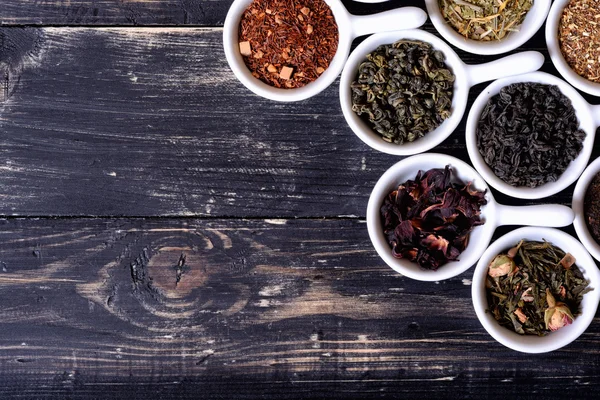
column 288, row 44
column 485, row 20
column 535, row 288
column 579, row 37
column 528, row 134
column 403, row 90
column 591, row 208
column 428, row 220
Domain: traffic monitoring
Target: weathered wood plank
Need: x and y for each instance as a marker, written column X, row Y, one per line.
column 262, row 307
column 114, row 12
column 140, row 12
column 141, row 122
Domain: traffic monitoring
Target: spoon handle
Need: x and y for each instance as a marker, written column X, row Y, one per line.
column 515, row 64
column 552, row 215
column 595, row 109
column 392, row 20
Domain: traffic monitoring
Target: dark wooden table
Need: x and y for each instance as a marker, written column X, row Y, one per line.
column 166, row 233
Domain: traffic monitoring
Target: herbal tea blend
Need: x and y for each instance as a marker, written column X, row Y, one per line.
column 288, row 44
column 579, row 37
column 428, row 220
column 528, row 134
column 535, row 288
column 403, row 90
column 591, row 208
column 485, row 20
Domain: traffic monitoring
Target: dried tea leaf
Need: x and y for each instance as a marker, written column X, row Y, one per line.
column 295, row 37
column 485, row 20
column 403, row 90
column 428, row 220
column 528, row 134
column 525, row 301
column 591, row 207
column 579, row 37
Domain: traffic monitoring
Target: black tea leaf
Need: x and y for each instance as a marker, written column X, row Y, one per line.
column 528, row 134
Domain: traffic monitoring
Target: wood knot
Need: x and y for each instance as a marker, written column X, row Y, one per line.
column 177, row 271
column 19, row 48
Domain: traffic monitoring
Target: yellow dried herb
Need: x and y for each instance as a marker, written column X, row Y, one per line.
column 485, row 20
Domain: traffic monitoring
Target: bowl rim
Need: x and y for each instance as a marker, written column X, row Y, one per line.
column 532, row 23
column 554, row 340
column 256, row 86
column 390, row 178
column 430, row 140
column 583, row 233
column 552, row 43
column 575, row 168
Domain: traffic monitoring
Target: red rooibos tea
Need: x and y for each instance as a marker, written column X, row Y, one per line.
column 288, row 44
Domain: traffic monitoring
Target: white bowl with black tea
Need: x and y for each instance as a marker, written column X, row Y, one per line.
column 405, row 92
column 586, row 206
column 531, row 136
column 290, row 51
column 573, row 40
column 486, row 27
column 535, row 289
column 431, row 216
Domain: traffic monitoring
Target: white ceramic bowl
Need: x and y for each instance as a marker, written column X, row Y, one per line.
column 349, row 26
column 589, row 120
column 554, row 340
column 556, row 55
column 466, row 77
column 492, row 213
column 578, row 198
column 531, row 24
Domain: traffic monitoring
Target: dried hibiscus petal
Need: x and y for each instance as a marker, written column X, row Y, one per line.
column 428, row 219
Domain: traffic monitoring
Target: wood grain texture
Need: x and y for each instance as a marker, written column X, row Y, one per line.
column 142, row 122
column 289, row 308
column 275, row 291
column 141, row 12
column 114, row 12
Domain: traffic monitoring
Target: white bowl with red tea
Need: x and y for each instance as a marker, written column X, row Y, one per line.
column 487, row 26
column 586, row 206
column 431, row 216
column 405, row 92
column 536, row 289
column 531, row 136
column 290, row 51
column 573, row 40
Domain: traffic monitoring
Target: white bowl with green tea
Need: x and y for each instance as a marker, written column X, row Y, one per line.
column 535, row 289
column 439, row 216
column 405, row 92
column 573, row 40
column 487, row 26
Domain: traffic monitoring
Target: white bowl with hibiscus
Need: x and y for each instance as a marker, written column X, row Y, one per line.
column 564, row 326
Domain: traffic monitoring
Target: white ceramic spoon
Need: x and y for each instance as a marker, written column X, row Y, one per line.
column 554, row 340
column 589, row 121
column 556, row 55
column 350, row 27
column 467, row 76
column 493, row 214
column 578, row 208
column 533, row 21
